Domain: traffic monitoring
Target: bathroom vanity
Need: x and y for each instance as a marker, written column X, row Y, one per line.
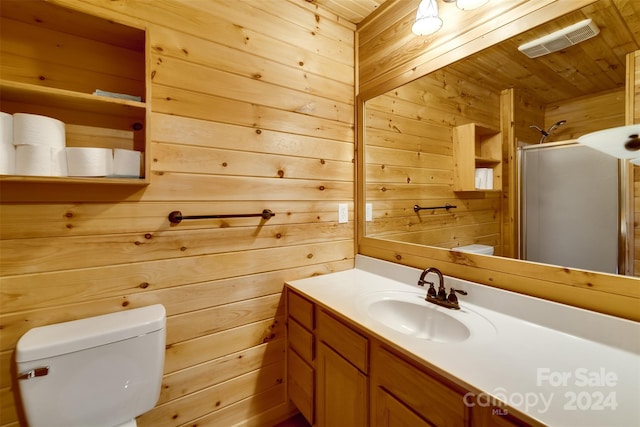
column 364, row 348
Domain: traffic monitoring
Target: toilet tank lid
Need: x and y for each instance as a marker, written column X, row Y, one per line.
column 62, row 338
column 475, row 248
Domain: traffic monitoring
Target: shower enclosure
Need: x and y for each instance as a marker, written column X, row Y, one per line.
column 569, row 206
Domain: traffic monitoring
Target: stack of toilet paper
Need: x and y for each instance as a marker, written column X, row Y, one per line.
column 35, row 145
column 484, row 178
column 98, row 162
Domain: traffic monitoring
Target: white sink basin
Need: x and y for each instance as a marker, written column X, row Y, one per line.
column 410, row 314
column 419, row 321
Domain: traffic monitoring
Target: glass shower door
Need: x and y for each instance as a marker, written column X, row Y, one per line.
column 569, row 206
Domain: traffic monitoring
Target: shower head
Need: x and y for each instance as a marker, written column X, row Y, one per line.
column 555, row 126
column 545, row 133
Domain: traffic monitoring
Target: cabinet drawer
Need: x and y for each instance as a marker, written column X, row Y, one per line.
column 300, row 340
column 301, row 385
column 347, row 342
column 428, row 397
column 300, row 309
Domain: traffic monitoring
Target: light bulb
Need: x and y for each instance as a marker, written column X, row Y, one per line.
column 427, row 19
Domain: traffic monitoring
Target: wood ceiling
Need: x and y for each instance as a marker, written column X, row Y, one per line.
column 353, row 11
column 593, row 66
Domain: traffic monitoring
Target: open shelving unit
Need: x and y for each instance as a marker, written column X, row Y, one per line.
column 52, row 59
column 476, row 146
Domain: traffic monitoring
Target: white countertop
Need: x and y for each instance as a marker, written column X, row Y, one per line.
column 561, row 365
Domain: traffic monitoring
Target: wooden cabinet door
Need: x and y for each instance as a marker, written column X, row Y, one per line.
column 390, row 412
column 342, row 398
column 300, row 385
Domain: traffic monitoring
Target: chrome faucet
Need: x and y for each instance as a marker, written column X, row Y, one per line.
column 440, row 297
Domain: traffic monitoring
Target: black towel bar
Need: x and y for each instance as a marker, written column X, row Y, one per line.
column 176, row 217
column 448, row 206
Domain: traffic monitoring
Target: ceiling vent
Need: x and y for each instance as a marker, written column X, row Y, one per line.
column 560, row 39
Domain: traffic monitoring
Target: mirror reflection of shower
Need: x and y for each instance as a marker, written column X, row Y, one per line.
column 546, row 133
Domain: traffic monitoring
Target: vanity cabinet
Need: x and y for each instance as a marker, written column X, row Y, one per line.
column 340, row 375
column 53, row 59
column 476, row 147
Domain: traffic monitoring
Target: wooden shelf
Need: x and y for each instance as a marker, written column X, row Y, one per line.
column 487, row 161
column 71, row 180
column 17, row 92
column 476, row 146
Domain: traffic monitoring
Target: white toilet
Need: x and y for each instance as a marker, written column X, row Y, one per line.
column 100, row 372
column 475, row 249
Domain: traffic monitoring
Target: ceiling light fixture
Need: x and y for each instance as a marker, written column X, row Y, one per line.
column 427, row 19
column 468, row 4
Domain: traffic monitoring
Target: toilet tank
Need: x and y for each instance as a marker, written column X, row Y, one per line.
column 100, row 371
column 475, row 249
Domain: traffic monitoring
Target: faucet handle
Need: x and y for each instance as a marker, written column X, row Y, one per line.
column 431, row 292
column 452, row 298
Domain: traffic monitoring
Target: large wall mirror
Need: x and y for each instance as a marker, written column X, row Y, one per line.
column 486, row 143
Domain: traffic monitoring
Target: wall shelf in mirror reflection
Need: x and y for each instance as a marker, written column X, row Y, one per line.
column 410, row 133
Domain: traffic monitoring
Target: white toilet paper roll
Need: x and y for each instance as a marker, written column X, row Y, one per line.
column 489, row 182
column 33, row 160
column 58, row 162
column 477, row 178
column 484, row 178
column 6, row 129
column 126, row 163
column 89, row 161
column 480, row 178
column 32, row 129
column 7, row 159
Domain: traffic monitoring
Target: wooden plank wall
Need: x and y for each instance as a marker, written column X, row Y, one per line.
column 586, row 114
column 519, row 109
column 253, row 108
column 408, row 133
